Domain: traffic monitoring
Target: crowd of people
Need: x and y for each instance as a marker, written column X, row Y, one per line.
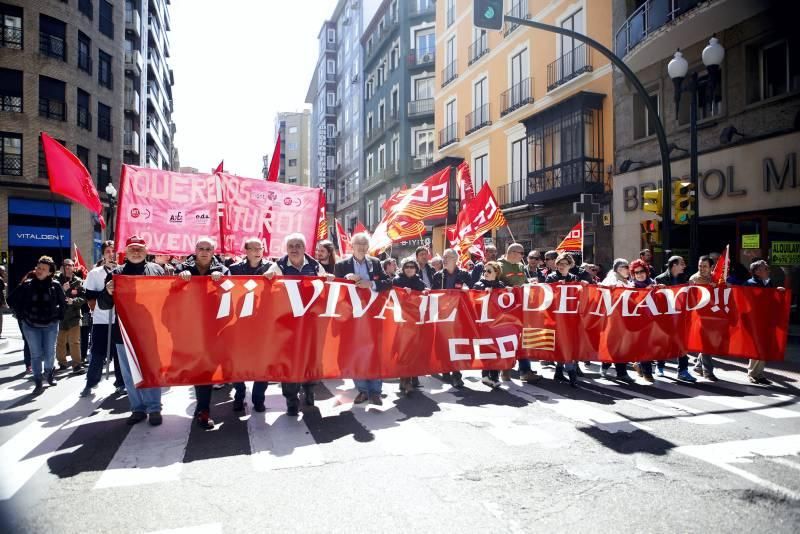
column 68, row 314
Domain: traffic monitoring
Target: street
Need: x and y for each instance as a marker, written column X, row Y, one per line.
column 659, row 458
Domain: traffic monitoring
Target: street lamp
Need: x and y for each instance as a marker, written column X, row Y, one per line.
column 111, row 191
column 678, row 67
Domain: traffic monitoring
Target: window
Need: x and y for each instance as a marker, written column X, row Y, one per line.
column 370, row 166
column 11, row 20
column 394, row 57
column 331, row 130
column 423, row 88
column 396, row 153
column 331, row 65
column 42, row 160
column 11, row 90
column 84, row 53
column 104, row 122
column 643, row 121
column 106, row 19
column 52, row 98
column 519, row 160
column 450, row 12
column 480, row 96
column 292, row 129
column 381, row 74
column 292, row 163
column 575, row 23
column 10, row 154
column 480, row 171
column 103, row 172
column 450, row 51
column 573, row 59
column 381, row 157
column 85, row 7
column 370, row 212
column 84, row 116
column 291, row 146
column 291, row 180
column 83, row 154
column 424, row 143
column 331, row 35
column 381, row 114
column 394, row 104
column 368, row 89
column 450, row 113
column 773, row 69
column 52, row 37
column 104, row 75
column 707, row 105
column 425, row 41
column 331, row 99
column 355, row 144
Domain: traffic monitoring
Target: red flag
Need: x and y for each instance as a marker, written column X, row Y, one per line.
column 360, row 228
column 219, row 168
column 77, row 258
column 343, row 240
column 69, row 178
column 464, row 182
column 720, row 274
column 322, row 223
column 480, row 215
column 573, row 242
column 275, row 163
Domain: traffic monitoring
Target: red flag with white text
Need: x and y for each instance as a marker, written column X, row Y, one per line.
column 343, row 240
column 573, row 242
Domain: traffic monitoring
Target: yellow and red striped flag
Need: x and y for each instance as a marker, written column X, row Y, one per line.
column 573, row 242
column 322, row 223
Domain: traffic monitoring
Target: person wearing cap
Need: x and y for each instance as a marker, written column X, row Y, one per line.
column 296, row 263
column 203, row 263
column 145, row 402
column 254, row 264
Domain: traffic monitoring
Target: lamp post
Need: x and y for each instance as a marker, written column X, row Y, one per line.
column 111, row 191
column 678, row 67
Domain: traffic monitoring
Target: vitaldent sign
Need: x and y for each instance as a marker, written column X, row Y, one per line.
column 36, row 236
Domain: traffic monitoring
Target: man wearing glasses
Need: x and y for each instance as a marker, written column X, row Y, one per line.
column 512, row 273
column 534, row 269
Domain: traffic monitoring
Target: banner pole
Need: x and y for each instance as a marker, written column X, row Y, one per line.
column 508, row 229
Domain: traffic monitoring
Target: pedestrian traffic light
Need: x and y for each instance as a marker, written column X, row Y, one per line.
column 652, row 201
column 651, row 233
column 488, row 14
column 682, row 202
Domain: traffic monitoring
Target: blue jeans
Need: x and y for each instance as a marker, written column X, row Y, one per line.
column 369, row 387
column 98, row 357
column 524, row 365
column 42, row 343
column 146, row 400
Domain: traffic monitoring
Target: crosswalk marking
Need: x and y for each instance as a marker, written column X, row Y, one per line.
column 139, row 460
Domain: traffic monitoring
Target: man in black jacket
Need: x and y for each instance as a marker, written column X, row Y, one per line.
column 759, row 270
column 144, row 401
column 477, row 270
column 426, row 271
column 673, row 276
column 452, row 277
column 367, row 273
column 203, row 263
column 254, row 264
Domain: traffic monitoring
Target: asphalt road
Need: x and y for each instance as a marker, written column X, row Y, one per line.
column 606, row 457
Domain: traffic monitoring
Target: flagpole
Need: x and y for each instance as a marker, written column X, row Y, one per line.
column 58, row 228
column 508, row 228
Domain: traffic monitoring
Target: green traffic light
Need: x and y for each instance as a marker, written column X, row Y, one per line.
column 489, row 13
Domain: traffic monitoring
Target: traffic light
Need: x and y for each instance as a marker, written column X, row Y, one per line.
column 651, row 234
column 488, row 14
column 652, row 201
column 682, row 202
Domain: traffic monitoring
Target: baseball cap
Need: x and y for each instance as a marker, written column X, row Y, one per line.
column 135, row 241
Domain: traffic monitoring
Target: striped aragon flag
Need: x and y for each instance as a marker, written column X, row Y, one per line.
column 322, row 224
column 539, row 339
column 573, row 242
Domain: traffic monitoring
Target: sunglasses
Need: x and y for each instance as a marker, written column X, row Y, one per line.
column 490, row 271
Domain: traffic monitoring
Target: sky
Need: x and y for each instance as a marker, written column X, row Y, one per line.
column 237, row 63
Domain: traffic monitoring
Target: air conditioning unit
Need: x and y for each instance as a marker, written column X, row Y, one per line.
column 426, row 58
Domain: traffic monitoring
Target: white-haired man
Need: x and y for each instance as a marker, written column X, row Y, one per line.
column 296, row 263
column 367, row 273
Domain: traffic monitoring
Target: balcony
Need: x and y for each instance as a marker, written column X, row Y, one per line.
column 132, row 102
column 513, row 194
column 330, row 47
column 449, row 73
column 330, row 77
column 421, row 57
column 52, row 46
column 378, row 38
column 517, row 96
column 581, row 175
column 331, row 110
column 11, row 164
column 420, row 162
column 420, row 108
column 379, row 178
column 10, row 37
column 476, row 120
column 133, row 22
column 417, row 10
column 569, row 66
column 348, row 199
column 519, row 9
column 134, row 62
column 130, row 142
column 52, row 109
column 649, row 17
column 448, row 135
column 479, row 48
column 84, row 118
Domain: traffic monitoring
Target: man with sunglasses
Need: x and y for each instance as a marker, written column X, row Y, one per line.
column 512, row 273
column 673, row 276
column 533, row 271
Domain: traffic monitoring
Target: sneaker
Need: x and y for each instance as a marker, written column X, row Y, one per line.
column 360, row 398
column 660, row 372
column 28, row 370
column 86, row 392
column 457, row 382
column 135, row 418
column 709, row 375
column 155, row 419
column 259, row 407
column 505, row 375
column 203, row 420
column 238, row 405
column 488, row 381
column 77, row 369
column 119, row 390
column 530, row 377
column 62, row 366
column 415, row 382
column 376, row 400
column 649, row 378
column 559, row 376
column 625, row 377
column 685, row 376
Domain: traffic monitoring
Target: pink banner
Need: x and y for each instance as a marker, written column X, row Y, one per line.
column 169, row 210
column 271, row 210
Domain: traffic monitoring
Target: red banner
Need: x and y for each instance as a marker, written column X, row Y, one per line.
column 169, row 210
column 299, row 328
column 270, row 210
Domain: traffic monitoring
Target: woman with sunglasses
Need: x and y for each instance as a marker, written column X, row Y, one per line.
column 488, row 281
column 641, row 279
column 408, row 278
column 562, row 275
column 619, row 276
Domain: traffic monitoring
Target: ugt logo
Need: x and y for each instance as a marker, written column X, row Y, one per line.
column 224, row 309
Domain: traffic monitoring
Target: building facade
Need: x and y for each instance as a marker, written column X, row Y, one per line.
column 293, row 128
column 748, row 193
column 531, row 112
column 335, row 95
column 61, row 72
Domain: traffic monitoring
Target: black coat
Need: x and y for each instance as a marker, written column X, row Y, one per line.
column 243, row 268
column 556, row 277
column 462, row 278
column 665, row 279
column 376, row 274
column 191, row 265
column 411, row 282
column 537, row 274
column 755, row 282
column 428, row 269
column 38, row 302
column 489, row 284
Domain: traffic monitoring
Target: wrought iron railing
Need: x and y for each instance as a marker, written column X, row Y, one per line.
column 513, row 193
column 52, row 46
column 570, row 65
column 578, row 174
column 420, row 57
column 448, row 135
column 479, row 48
column 418, row 108
column 11, row 37
column 11, row 164
column 518, row 95
column 647, row 18
column 84, row 118
column 449, row 73
column 52, row 109
column 519, row 9
column 11, row 103
column 477, row 119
